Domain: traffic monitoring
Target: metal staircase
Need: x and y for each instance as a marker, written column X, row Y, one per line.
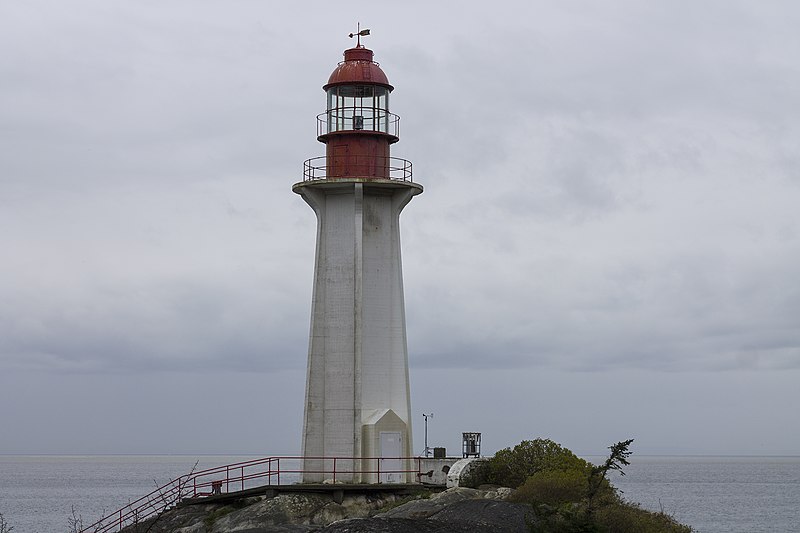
column 244, row 477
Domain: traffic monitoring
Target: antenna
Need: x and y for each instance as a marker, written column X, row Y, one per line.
column 360, row 33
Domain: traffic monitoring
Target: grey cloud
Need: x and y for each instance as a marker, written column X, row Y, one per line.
column 173, row 325
column 610, row 191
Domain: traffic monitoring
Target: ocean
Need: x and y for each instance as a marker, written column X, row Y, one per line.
column 718, row 494
column 711, row 494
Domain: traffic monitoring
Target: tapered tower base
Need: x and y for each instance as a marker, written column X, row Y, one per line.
column 357, row 389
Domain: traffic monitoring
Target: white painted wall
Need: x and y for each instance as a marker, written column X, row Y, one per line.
column 358, row 357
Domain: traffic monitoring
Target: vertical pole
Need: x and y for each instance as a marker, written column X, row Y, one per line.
column 227, row 479
column 279, row 471
column 427, row 449
column 242, row 477
column 334, row 470
column 426, row 436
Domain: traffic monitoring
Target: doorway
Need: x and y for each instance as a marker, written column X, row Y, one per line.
column 391, row 462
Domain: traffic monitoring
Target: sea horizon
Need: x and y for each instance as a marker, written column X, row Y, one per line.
column 711, row 493
column 182, row 454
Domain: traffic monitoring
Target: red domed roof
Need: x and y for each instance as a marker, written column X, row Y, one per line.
column 358, row 67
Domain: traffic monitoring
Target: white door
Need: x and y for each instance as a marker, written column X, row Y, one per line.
column 391, row 453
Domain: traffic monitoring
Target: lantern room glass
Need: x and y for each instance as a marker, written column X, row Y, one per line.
column 358, row 107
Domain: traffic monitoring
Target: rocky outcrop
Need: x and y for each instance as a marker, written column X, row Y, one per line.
column 470, row 516
column 428, row 507
column 455, row 510
column 311, row 511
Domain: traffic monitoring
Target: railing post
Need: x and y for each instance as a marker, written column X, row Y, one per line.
column 242, row 477
column 227, row 478
column 194, row 487
column 379, row 470
column 279, row 471
column 120, row 520
column 334, row 470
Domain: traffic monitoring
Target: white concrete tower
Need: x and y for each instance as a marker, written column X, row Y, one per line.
column 357, row 390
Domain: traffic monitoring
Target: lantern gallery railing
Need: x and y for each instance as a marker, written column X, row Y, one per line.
column 350, row 166
column 358, row 119
column 267, row 472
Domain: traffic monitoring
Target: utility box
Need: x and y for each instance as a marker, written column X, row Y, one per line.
column 471, row 444
column 439, row 453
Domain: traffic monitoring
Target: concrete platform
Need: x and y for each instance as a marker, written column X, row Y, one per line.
column 337, row 491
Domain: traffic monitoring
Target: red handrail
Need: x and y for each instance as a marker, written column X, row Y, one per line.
column 207, row 482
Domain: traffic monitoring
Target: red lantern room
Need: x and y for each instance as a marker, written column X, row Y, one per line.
column 357, row 127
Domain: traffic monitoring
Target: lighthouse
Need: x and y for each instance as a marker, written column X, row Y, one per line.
column 357, row 403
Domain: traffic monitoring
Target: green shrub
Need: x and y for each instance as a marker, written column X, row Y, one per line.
column 570, row 495
column 553, row 488
column 630, row 518
column 512, row 466
column 620, row 517
column 567, row 518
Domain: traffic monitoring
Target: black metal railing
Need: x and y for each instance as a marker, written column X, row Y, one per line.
column 358, row 119
column 369, row 167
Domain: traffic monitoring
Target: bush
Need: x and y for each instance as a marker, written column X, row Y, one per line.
column 620, row 517
column 570, row 495
column 553, row 488
column 512, row 466
column 630, row 518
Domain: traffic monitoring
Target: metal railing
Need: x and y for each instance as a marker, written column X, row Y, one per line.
column 393, row 168
column 266, row 472
column 358, row 119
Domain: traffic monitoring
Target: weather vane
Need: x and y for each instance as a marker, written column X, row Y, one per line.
column 360, row 33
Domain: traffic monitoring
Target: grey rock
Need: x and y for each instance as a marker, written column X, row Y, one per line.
column 285, row 509
column 277, row 529
column 457, row 510
column 428, row 507
column 301, row 509
column 454, row 510
column 488, row 515
column 181, row 520
column 394, row 525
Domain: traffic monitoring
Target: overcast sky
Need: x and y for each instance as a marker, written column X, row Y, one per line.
column 608, row 245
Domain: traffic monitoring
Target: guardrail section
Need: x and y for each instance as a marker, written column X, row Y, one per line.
column 266, row 472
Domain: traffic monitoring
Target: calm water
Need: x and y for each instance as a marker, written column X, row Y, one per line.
column 37, row 493
column 719, row 494
column 712, row 494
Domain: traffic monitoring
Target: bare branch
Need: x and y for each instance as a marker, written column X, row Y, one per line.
column 4, row 527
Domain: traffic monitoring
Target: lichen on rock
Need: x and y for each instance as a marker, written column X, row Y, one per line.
column 302, row 512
